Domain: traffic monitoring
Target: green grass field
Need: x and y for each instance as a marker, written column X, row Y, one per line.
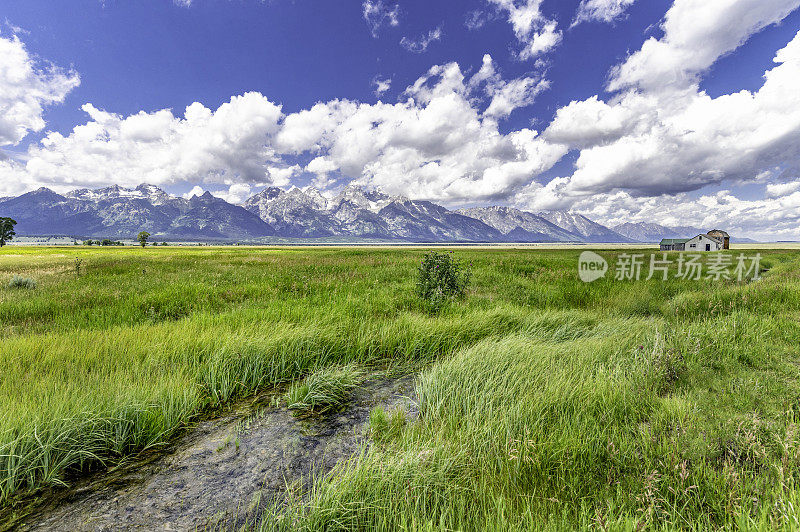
column 546, row 403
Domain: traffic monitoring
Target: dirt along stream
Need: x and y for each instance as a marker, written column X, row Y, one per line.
column 223, row 472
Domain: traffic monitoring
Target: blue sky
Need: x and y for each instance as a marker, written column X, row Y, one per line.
column 156, row 54
column 621, row 151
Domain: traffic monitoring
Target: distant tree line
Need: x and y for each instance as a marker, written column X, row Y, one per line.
column 7, row 234
column 104, row 242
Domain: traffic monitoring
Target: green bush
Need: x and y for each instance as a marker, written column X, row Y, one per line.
column 22, row 282
column 441, row 278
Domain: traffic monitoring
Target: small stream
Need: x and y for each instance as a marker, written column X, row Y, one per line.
column 222, row 473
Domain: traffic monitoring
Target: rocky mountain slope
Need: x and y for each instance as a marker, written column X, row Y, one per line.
column 651, row 232
column 115, row 212
column 582, row 226
column 354, row 213
column 521, row 226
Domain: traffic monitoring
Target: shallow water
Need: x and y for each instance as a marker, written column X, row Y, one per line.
column 221, row 473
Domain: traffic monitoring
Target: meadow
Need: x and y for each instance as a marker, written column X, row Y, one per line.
column 545, row 403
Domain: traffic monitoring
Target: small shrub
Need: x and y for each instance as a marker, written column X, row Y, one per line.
column 324, row 390
column 22, row 282
column 441, row 278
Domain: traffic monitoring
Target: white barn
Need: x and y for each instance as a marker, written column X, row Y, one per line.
column 703, row 243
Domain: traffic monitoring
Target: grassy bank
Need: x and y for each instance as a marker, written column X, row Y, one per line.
column 546, row 402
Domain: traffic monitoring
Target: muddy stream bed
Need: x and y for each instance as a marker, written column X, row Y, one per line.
column 221, row 473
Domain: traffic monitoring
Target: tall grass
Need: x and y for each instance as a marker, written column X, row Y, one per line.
column 674, row 420
column 547, row 402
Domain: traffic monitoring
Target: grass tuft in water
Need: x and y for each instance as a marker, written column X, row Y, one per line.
column 323, row 390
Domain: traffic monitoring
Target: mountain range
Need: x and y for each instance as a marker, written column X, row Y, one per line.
column 354, row 213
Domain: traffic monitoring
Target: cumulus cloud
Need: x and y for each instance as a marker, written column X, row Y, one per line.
column 763, row 218
column 643, row 152
column 322, row 168
column 696, row 34
column 230, row 144
column 651, row 142
column 537, row 33
column 421, row 43
column 378, row 13
column 236, row 193
column 196, row 191
column 601, row 10
column 437, row 142
column 776, row 190
column 441, row 140
column 27, row 86
column 321, row 165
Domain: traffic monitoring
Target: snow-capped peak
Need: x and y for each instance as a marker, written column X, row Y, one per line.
column 371, row 200
column 149, row 192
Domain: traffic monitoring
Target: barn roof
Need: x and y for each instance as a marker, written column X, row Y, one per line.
column 673, row 241
column 717, row 239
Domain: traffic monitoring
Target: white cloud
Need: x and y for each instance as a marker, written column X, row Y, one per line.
column 381, row 85
column 660, row 136
column 15, row 30
column 475, row 19
column 762, row 218
column 776, row 190
column 696, row 34
column 601, row 10
column 420, row 44
column 514, row 94
column 27, row 86
column 377, row 13
column 282, row 176
column 321, row 165
column 230, row 145
column 505, row 96
column 437, row 143
column 236, row 194
column 442, row 142
column 14, row 180
column 537, row 33
column 196, row 191
column 655, row 142
column 593, row 122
